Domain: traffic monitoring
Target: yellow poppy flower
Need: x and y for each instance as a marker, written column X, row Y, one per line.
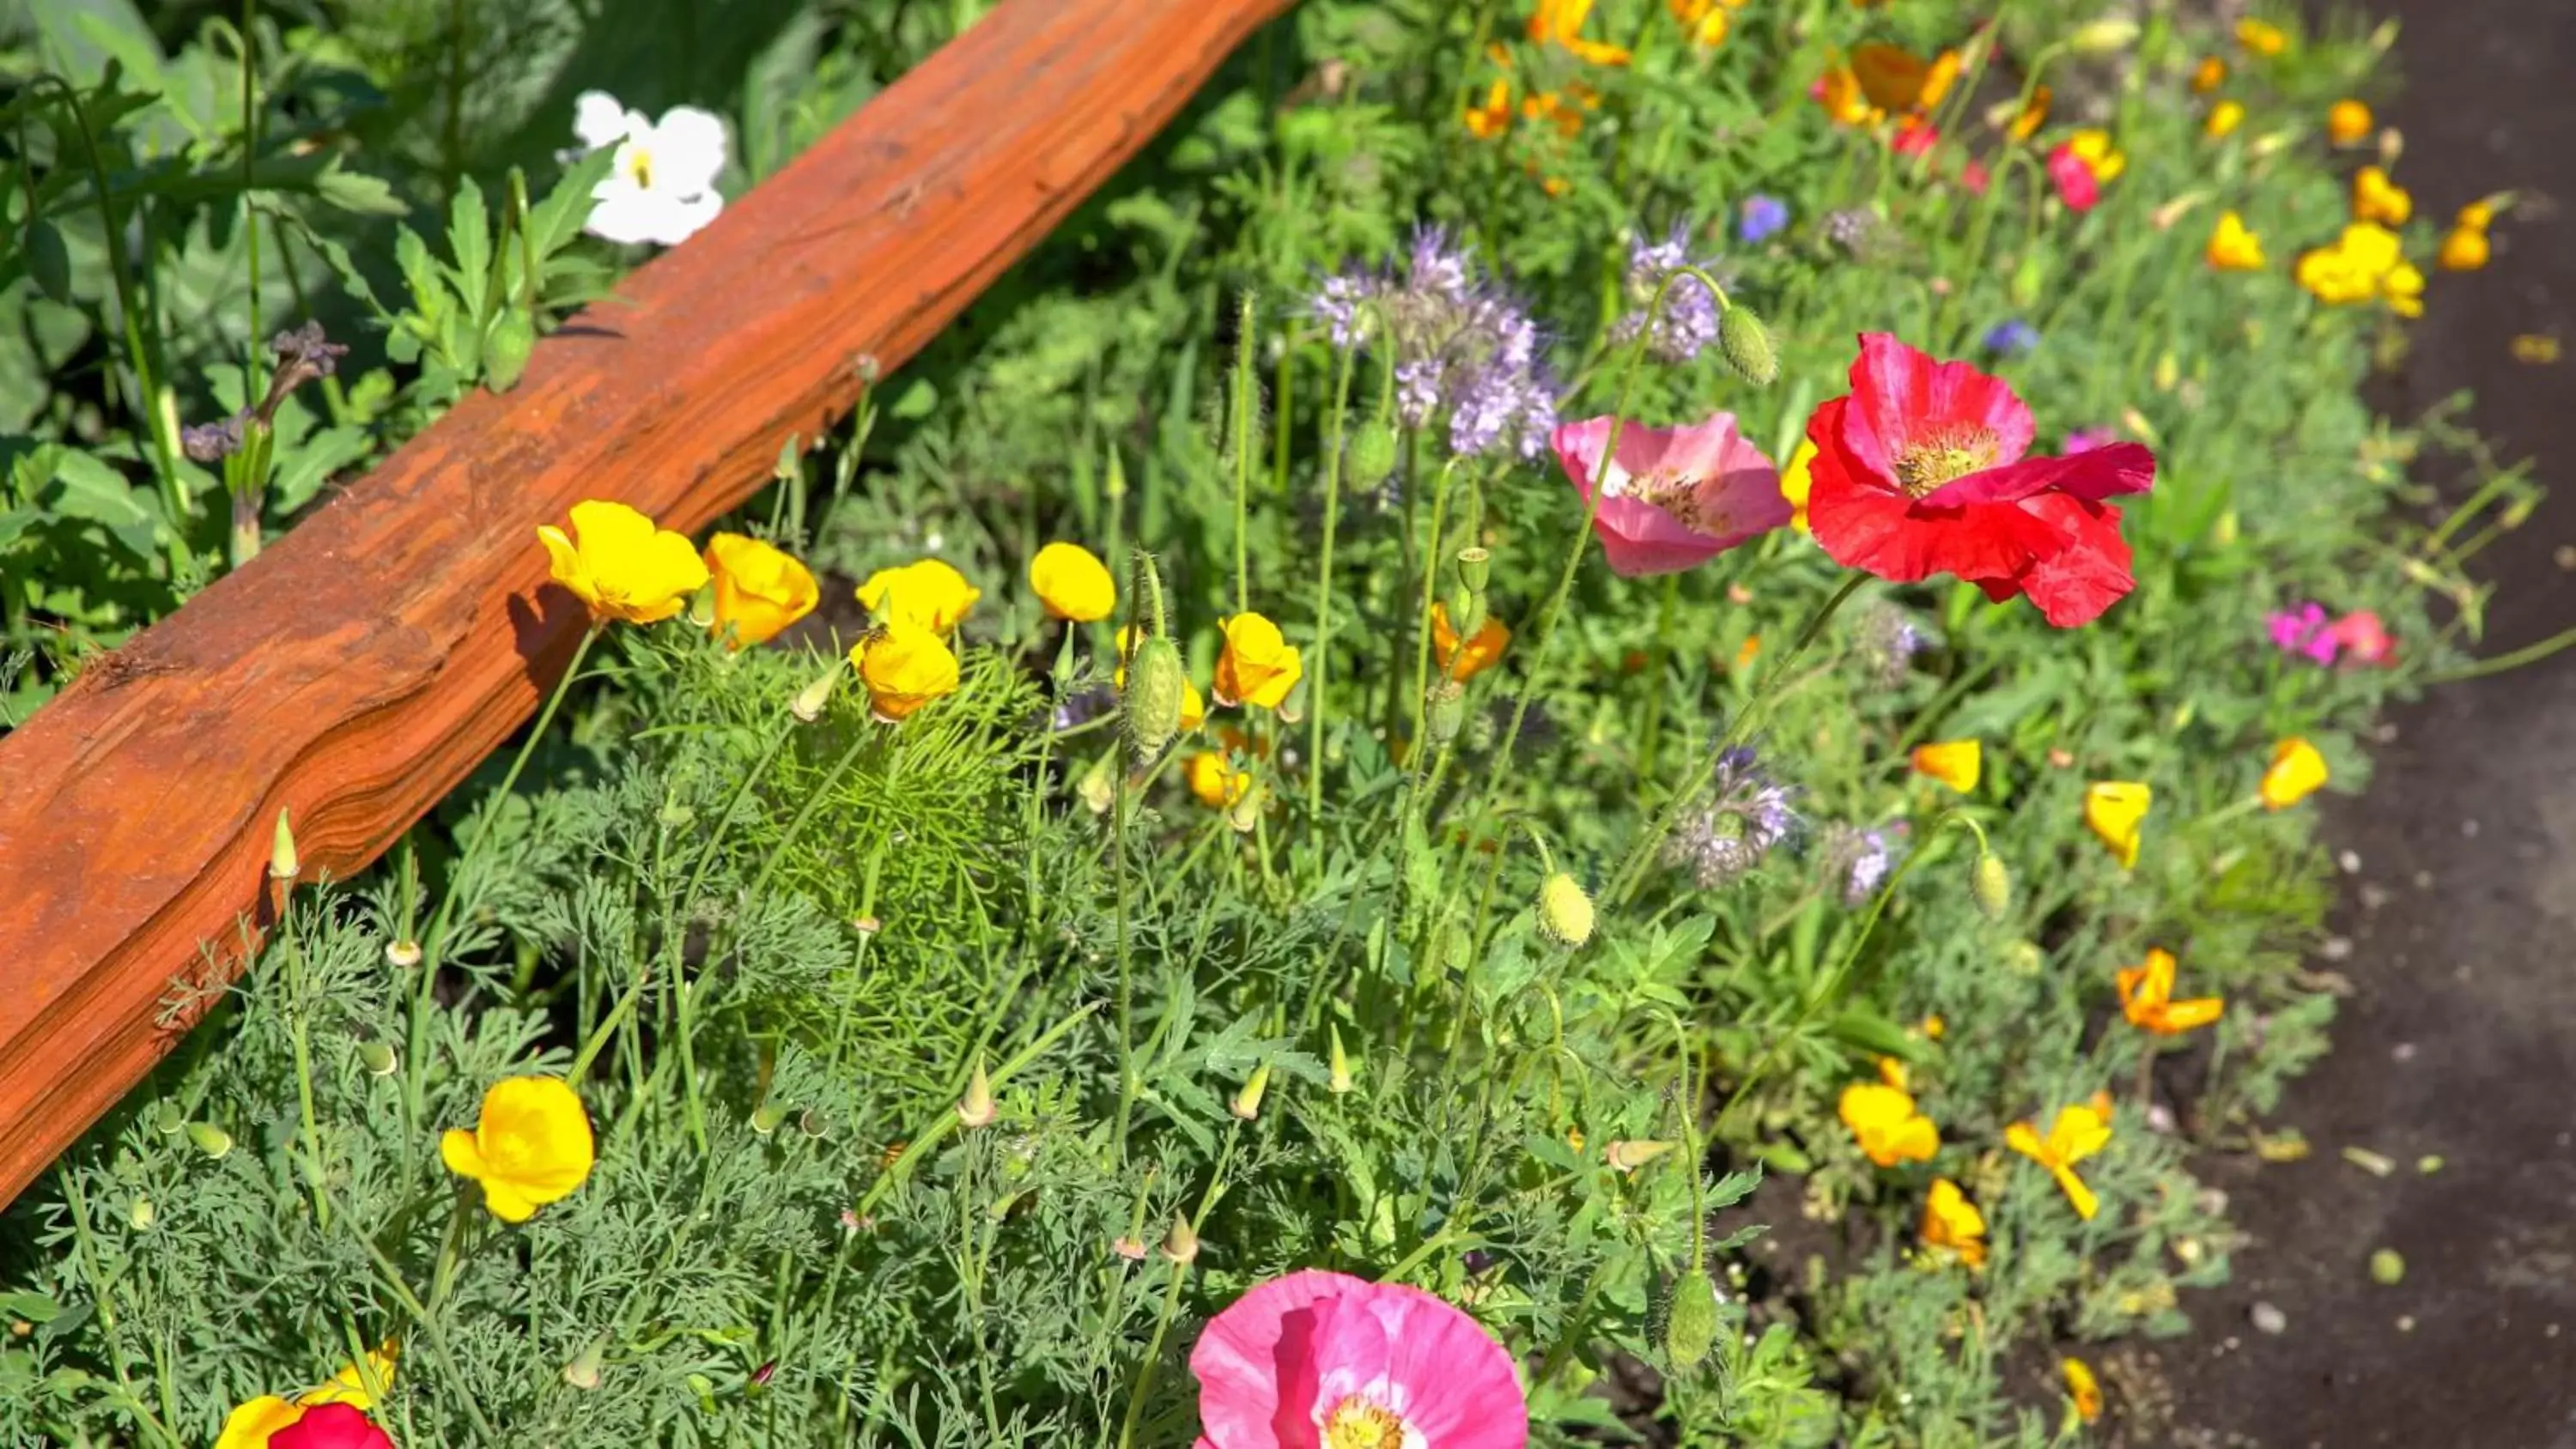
column 1704, row 19
column 1557, row 21
column 251, row 1423
column 2262, row 37
column 1214, row 779
column 2146, row 999
column 1955, row 763
column 1795, row 481
column 1936, row 1026
column 1891, row 1070
column 2376, row 198
column 1952, row 1223
column 2477, row 215
column 620, row 565
column 1896, row 79
column 1887, row 1126
column 2116, row 812
column 530, row 1147
column 904, row 666
column 2093, row 147
column 2296, row 772
column 1073, row 583
column 1839, row 92
column 2209, row 75
column 1494, row 117
column 1258, row 666
column 2347, row 122
column 2464, row 250
column 2082, row 1387
column 2233, row 247
column 760, row 589
column 1465, row 660
column 2224, row 118
column 2078, row 1133
column 2031, row 117
column 2363, row 264
column 930, row 593
column 2402, row 288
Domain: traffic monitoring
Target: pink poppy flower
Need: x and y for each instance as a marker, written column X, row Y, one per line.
column 2076, row 184
column 1673, row 497
column 2086, row 440
column 331, row 1426
column 1319, row 1359
column 2364, row 637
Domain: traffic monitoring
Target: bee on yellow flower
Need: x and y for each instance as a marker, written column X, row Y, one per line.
column 2223, row 120
column 1884, row 1120
column 2347, row 122
column 2146, row 998
column 2233, row 247
column 2116, row 812
column 2376, row 198
column 2078, row 1132
column 1955, row 763
column 621, row 566
column 2297, row 771
column 1952, row 1224
column 904, row 666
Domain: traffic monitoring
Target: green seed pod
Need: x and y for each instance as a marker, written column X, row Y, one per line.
column 1443, row 712
column 505, row 354
column 1157, row 684
column 1476, row 567
column 210, row 1139
column 378, row 1058
column 1372, row 455
column 1564, row 911
column 1690, row 1323
column 1746, row 344
column 1992, row 886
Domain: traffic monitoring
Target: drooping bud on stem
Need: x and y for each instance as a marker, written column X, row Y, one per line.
column 1746, row 345
column 1157, row 682
column 1991, row 884
column 1564, row 911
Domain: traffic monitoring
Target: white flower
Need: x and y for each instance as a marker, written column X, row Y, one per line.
column 663, row 186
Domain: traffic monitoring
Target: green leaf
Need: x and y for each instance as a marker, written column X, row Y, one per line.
column 469, row 241
column 89, row 489
column 554, row 222
column 357, row 191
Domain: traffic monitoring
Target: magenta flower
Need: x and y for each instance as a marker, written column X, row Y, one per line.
column 1672, row 497
column 331, row 1426
column 2303, row 631
column 2088, row 440
column 1321, row 1359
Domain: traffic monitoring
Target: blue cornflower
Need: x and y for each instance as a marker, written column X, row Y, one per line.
column 2011, row 338
column 1764, row 217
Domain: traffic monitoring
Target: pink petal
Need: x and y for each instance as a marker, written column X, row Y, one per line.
column 1459, row 1387
column 2095, row 475
column 1738, row 490
column 1255, row 1364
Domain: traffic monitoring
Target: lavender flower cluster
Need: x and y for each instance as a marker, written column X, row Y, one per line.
column 1688, row 321
column 1860, row 858
column 1463, row 345
column 1748, row 815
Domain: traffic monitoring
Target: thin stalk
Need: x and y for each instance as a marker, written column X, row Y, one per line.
column 1319, row 698
column 1243, row 445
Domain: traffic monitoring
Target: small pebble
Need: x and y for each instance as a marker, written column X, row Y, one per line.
column 2335, row 948
column 2387, row 1269
column 2406, row 1323
column 2373, row 897
column 2160, row 1118
column 2350, row 860
column 2423, row 880
column 2566, row 555
column 2469, row 828
column 2404, row 1051
column 2429, row 1163
column 2267, row 1319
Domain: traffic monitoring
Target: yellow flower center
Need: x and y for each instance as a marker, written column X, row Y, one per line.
column 637, row 163
column 1945, row 455
column 1355, row 1423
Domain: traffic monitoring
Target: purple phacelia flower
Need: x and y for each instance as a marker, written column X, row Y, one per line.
column 1747, row 816
column 1687, row 321
column 1461, row 345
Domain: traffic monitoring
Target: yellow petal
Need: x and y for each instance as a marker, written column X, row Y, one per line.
column 2297, row 771
column 2081, row 1386
column 1073, row 583
column 1955, row 763
column 2085, row 1203
column 459, row 1151
column 250, row 1425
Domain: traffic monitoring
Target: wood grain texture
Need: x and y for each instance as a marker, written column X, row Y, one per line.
column 358, row 669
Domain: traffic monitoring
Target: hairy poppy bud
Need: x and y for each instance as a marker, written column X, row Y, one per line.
column 1746, row 345
column 1991, row 884
column 1564, row 911
column 1690, row 1321
column 1157, row 687
column 1372, row 453
column 1444, row 711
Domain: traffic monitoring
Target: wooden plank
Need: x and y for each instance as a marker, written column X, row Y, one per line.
column 360, row 668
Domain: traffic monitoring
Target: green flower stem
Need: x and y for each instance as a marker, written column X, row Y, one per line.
column 1658, row 660
column 108, row 1319
column 2498, row 664
column 1318, row 696
column 1430, row 593
column 299, row 1031
column 944, row 1121
column 1632, row 870
column 1245, row 416
column 1126, row 966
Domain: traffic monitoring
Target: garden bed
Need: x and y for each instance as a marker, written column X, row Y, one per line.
column 916, row 1025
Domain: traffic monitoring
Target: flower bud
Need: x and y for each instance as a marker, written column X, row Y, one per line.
column 1476, row 567
column 1157, row 686
column 767, row 1118
column 583, row 1372
column 210, row 1139
column 809, row 701
column 1690, row 1321
column 2107, row 36
column 1129, row 1247
column 141, row 1214
column 1746, row 344
column 1245, row 813
column 168, row 1120
column 1444, row 710
column 378, row 1058
column 1372, row 456
column 1181, row 1245
column 1564, row 911
column 1991, row 884
column 976, row 1108
column 1339, row 1063
column 1099, row 785
column 282, row 864
column 1246, row 1105
column 1626, row 1156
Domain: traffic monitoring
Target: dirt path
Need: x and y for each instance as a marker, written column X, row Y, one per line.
column 2461, row 1038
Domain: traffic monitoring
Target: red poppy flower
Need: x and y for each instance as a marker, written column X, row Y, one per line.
column 1920, row 471
column 331, row 1426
